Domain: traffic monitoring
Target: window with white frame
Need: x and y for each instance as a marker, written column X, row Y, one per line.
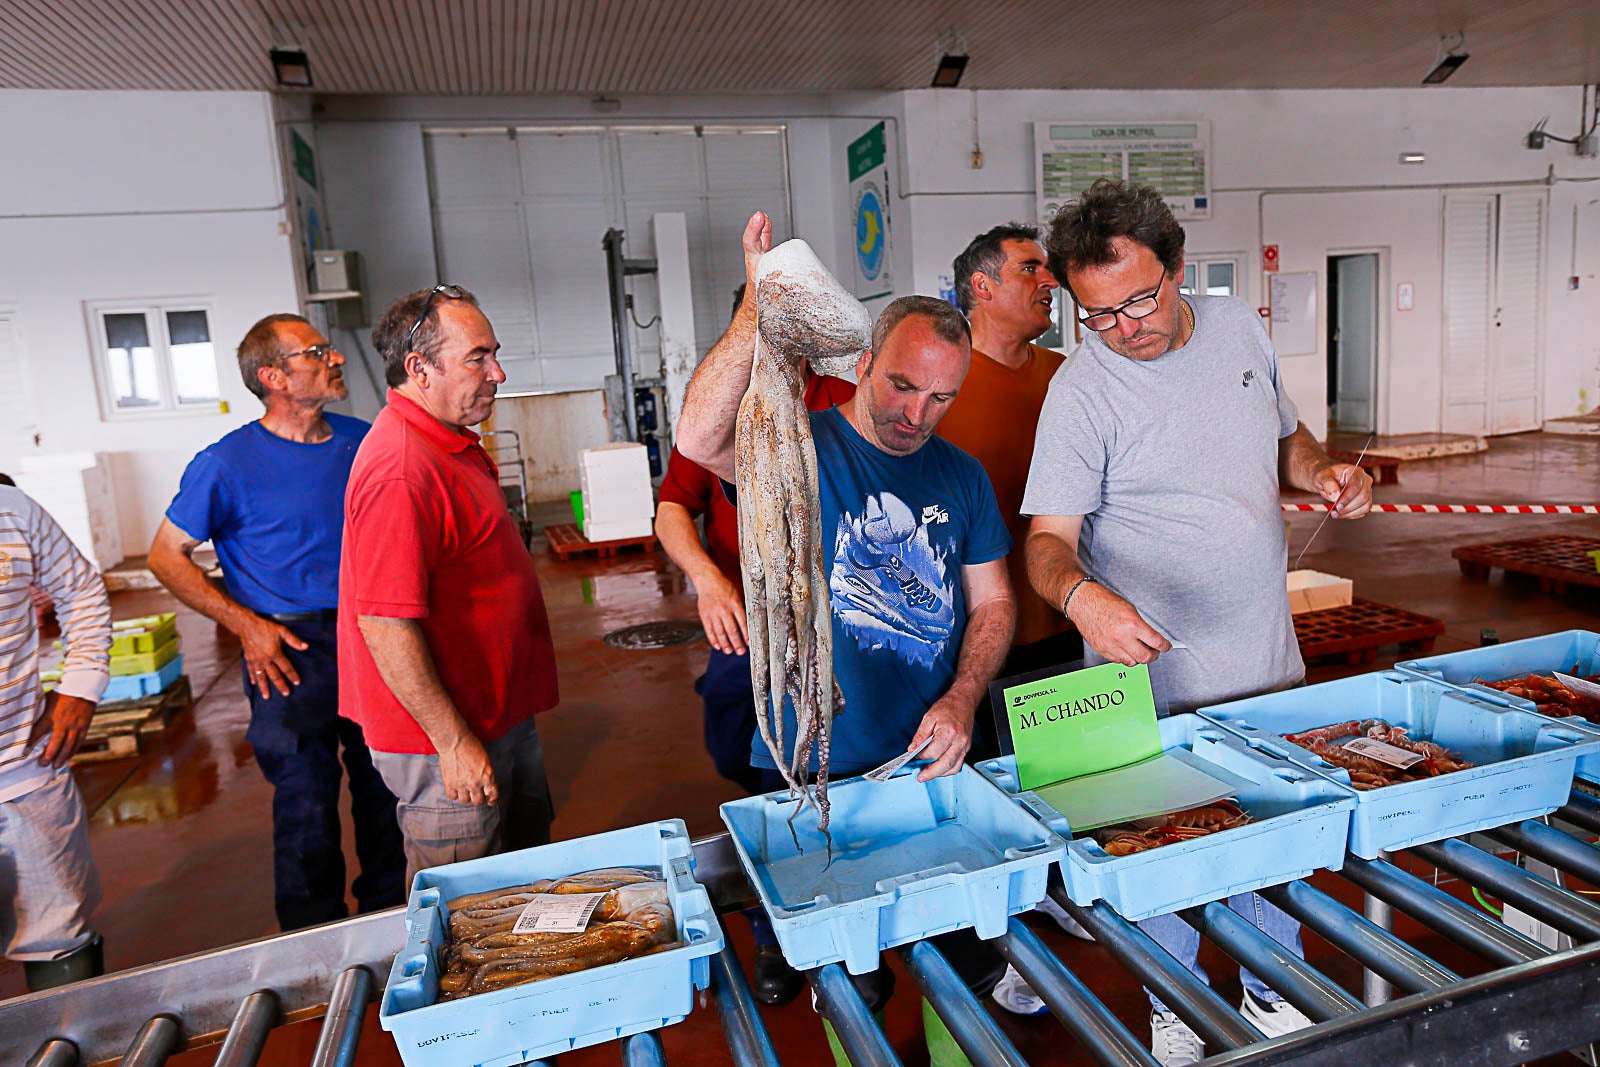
column 1210, row 276
column 154, row 357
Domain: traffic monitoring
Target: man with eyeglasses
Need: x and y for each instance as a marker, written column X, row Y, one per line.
column 1154, row 496
column 443, row 636
column 270, row 497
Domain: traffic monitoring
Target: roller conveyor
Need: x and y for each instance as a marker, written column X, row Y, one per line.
column 1535, row 1002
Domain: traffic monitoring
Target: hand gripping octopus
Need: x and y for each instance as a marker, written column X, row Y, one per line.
column 803, row 315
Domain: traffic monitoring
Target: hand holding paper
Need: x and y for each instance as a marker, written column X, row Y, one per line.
column 949, row 724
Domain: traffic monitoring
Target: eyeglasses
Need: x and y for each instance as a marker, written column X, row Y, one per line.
column 1137, row 308
column 320, row 353
column 449, row 292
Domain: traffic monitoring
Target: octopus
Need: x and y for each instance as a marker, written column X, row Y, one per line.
column 803, row 316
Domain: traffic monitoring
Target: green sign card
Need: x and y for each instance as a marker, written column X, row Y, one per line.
column 1082, row 722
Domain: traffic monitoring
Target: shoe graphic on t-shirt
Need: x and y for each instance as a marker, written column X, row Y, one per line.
column 890, row 586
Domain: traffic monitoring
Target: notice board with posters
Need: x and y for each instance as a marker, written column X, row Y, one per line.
column 1173, row 157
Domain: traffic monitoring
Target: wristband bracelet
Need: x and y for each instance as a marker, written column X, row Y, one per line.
column 1065, row 604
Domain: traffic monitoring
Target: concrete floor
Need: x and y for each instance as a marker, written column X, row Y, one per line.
column 182, row 832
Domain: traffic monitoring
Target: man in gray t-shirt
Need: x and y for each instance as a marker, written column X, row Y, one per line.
column 1154, row 496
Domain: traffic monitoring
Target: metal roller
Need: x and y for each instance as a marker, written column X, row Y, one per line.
column 841, row 1004
column 1582, row 810
column 1191, row 999
column 156, row 1040
column 1285, row 973
column 1440, row 911
column 1090, row 1021
column 1548, row 903
column 341, row 1027
column 248, row 1034
column 57, row 1052
column 643, row 1050
column 1559, row 850
column 974, row 1029
column 1361, row 939
column 747, row 1035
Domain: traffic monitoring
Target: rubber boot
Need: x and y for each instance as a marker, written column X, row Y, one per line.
column 942, row 1048
column 839, row 1057
column 87, row 961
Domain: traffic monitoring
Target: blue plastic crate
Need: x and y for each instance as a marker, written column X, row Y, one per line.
column 1524, row 762
column 910, row 860
column 1301, row 821
column 1572, row 652
column 134, row 686
column 554, row 1015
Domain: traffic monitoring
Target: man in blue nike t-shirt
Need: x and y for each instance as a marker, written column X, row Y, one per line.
column 913, row 542
column 270, row 497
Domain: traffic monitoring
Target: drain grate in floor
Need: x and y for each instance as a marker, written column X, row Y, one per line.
column 654, row 635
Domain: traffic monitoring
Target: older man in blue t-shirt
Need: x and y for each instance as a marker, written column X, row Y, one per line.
column 913, row 544
column 270, row 497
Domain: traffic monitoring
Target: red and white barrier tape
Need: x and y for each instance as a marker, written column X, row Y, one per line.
column 1468, row 509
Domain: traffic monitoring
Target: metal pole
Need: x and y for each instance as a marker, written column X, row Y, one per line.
column 1559, row 850
column 643, row 1050
column 57, row 1052
column 612, row 243
column 1191, row 999
column 341, row 1027
column 1440, row 911
column 974, row 1029
column 248, row 1034
column 1088, row 1020
column 1567, row 912
column 841, row 1004
column 1367, row 943
column 1582, row 810
column 1285, row 973
column 156, row 1040
column 747, row 1035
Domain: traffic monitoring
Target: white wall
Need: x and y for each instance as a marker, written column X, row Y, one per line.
column 126, row 195
column 1267, row 143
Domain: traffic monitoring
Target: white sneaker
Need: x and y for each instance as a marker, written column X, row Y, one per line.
column 1015, row 995
column 1272, row 1017
column 1068, row 924
column 1172, row 1042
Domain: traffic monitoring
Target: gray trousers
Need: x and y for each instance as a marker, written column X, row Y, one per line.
column 48, row 882
column 439, row 830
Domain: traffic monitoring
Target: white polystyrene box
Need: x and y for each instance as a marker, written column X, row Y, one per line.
column 1315, row 591
column 615, row 479
column 618, row 530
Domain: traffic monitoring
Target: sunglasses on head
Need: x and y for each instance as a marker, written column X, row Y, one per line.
column 449, row 292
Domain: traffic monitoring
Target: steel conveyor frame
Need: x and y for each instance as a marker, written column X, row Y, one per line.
column 1534, row 1003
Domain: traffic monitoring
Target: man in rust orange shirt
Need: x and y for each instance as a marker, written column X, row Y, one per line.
column 445, row 654
column 1007, row 291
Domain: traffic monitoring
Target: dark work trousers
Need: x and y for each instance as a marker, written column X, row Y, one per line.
column 730, row 717
column 976, row 962
column 298, row 740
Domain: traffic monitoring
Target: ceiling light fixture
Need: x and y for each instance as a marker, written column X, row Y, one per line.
column 1413, row 157
column 952, row 49
column 602, row 102
column 1451, row 55
column 291, row 67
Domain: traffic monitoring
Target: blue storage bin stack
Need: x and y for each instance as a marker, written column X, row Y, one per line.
column 1300, row 823
column 910, row 860
column 1575, row 652
column 553, row 1015
column 1523, row 763
column 134, row 686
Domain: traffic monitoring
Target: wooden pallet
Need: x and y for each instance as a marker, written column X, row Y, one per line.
column 117, row 726
column 1557, row 560
column 1385, row 470
column 1356, row 631
column 567, row 542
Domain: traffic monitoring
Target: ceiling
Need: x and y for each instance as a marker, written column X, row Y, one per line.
column 618, row 47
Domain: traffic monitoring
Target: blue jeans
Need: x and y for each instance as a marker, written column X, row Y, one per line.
column 1183, row 941
column 298, row 741
column 730, row 717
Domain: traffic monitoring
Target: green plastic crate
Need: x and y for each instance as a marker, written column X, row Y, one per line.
column 145, row 662
column 131, row 636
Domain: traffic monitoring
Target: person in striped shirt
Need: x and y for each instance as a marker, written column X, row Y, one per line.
column 48, row 882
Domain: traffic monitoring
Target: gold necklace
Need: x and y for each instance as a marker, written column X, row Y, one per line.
column 1188, row 318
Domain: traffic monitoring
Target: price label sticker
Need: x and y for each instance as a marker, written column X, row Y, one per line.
column 1383, row 752
column 1582, row 686
column 557, row 913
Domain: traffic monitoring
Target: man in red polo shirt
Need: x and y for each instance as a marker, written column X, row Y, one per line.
column 443, row 637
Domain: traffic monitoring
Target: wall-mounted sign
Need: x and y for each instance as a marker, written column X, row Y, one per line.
column 1168, row 156
column 1405, row 296
column 1269, row 257
column 868, row 160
